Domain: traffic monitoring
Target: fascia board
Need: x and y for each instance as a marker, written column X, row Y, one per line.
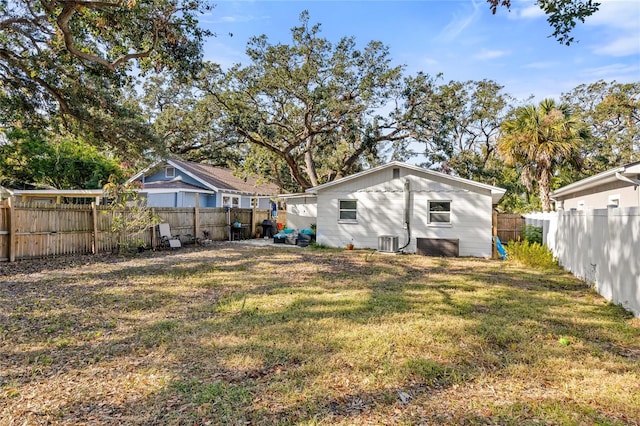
column 493, row 189
column 193, row 176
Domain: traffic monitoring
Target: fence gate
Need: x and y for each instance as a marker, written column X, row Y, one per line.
column 510, row 227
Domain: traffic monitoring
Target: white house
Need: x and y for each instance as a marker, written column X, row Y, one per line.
column 400, row 206
column 302, row 210
column 616, row 187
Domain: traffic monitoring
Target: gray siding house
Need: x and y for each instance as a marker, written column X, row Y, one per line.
column 616, row 188
column 428, row 212
column 178, row 183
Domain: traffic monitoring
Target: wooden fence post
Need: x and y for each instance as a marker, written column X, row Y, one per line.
column 154, row 243
column 12, row 231
column 94, row 243
column 196, row 219
column 254, row 201
column 494, row 233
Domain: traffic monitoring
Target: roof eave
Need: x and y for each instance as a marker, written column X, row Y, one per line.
column 193, row 176
column 493, row 189
column 588, row 183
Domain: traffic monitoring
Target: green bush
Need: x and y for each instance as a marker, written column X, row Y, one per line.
column 531, row 254
column 532, row 234
column 315, row 245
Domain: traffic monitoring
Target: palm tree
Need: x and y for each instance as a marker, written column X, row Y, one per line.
column 539, row 139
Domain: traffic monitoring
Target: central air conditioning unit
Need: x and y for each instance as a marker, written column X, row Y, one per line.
column 388, row 243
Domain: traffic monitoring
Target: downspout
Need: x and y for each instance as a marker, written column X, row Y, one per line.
column 407, row 213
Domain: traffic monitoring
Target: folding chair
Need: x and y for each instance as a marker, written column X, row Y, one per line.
column 166, row 239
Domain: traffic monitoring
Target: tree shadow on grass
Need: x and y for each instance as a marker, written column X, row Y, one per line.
column 236, row 346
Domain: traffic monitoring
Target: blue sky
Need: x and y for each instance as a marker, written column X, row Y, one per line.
column 459, row 38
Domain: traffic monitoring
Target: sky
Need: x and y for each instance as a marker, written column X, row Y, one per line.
column 459, row 38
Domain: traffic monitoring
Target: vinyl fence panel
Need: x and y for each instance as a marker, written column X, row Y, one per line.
column 599, row 246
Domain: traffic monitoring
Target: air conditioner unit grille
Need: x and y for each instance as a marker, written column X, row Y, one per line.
column 388, row 243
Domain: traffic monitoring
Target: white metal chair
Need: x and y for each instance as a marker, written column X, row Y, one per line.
column 166, row 239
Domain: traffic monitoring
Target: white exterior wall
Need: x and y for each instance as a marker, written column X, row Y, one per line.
column 380, row 211
column 302, row 212
column 601, row 247
column 598, row 198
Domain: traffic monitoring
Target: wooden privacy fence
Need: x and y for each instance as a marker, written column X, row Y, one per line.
column 509, row 227
column 42, row 230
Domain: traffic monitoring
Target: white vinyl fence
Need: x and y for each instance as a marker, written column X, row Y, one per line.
column 600, row 246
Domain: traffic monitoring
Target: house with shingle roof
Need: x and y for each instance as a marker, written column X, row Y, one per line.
column 179, row 183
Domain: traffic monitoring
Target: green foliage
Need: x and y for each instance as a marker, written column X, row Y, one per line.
column 130, row 216
column 611, row 111
column 70, row 59
column 187, row 126
column 532, row 234
column 32, row 159
column 538, row 140
column 531, row 254
column 459, row 123
column 318, row 246
column 562, row 15
column 310, row 104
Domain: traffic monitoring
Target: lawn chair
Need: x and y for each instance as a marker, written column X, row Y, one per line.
column 166, row 239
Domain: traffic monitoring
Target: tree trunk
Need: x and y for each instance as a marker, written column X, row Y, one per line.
column 544, row 186
column 296, row 173
column 311, row 168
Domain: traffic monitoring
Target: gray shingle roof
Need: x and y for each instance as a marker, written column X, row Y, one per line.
column 224, row 179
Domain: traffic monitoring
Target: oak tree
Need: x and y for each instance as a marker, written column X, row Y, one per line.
column 562, row 15
column 315, row 106
column 75, row 59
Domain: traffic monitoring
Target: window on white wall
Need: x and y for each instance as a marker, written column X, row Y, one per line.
column 232, row 201
column 439, row 211
column 170, row 172
column 348, row 211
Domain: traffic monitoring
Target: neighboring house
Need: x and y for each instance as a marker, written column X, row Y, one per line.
column 4, row 193
column 399, row 204
column 52, row 196
column 178, row 183
column 616, row 187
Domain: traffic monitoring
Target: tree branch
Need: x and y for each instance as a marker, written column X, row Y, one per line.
column 69, row 9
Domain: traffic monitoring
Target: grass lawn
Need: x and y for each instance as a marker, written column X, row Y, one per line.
column 246, row 335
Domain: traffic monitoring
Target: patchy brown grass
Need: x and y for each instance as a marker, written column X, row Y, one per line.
column 245, row 335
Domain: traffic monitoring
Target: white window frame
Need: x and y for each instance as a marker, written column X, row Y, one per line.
column 230, row 202
column 169, row 175
column 429, row 212
column 346, row 210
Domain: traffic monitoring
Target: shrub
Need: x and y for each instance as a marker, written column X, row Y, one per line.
column 532, row 234
column 531, row 254
column 315, row 245
column 130, row 216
